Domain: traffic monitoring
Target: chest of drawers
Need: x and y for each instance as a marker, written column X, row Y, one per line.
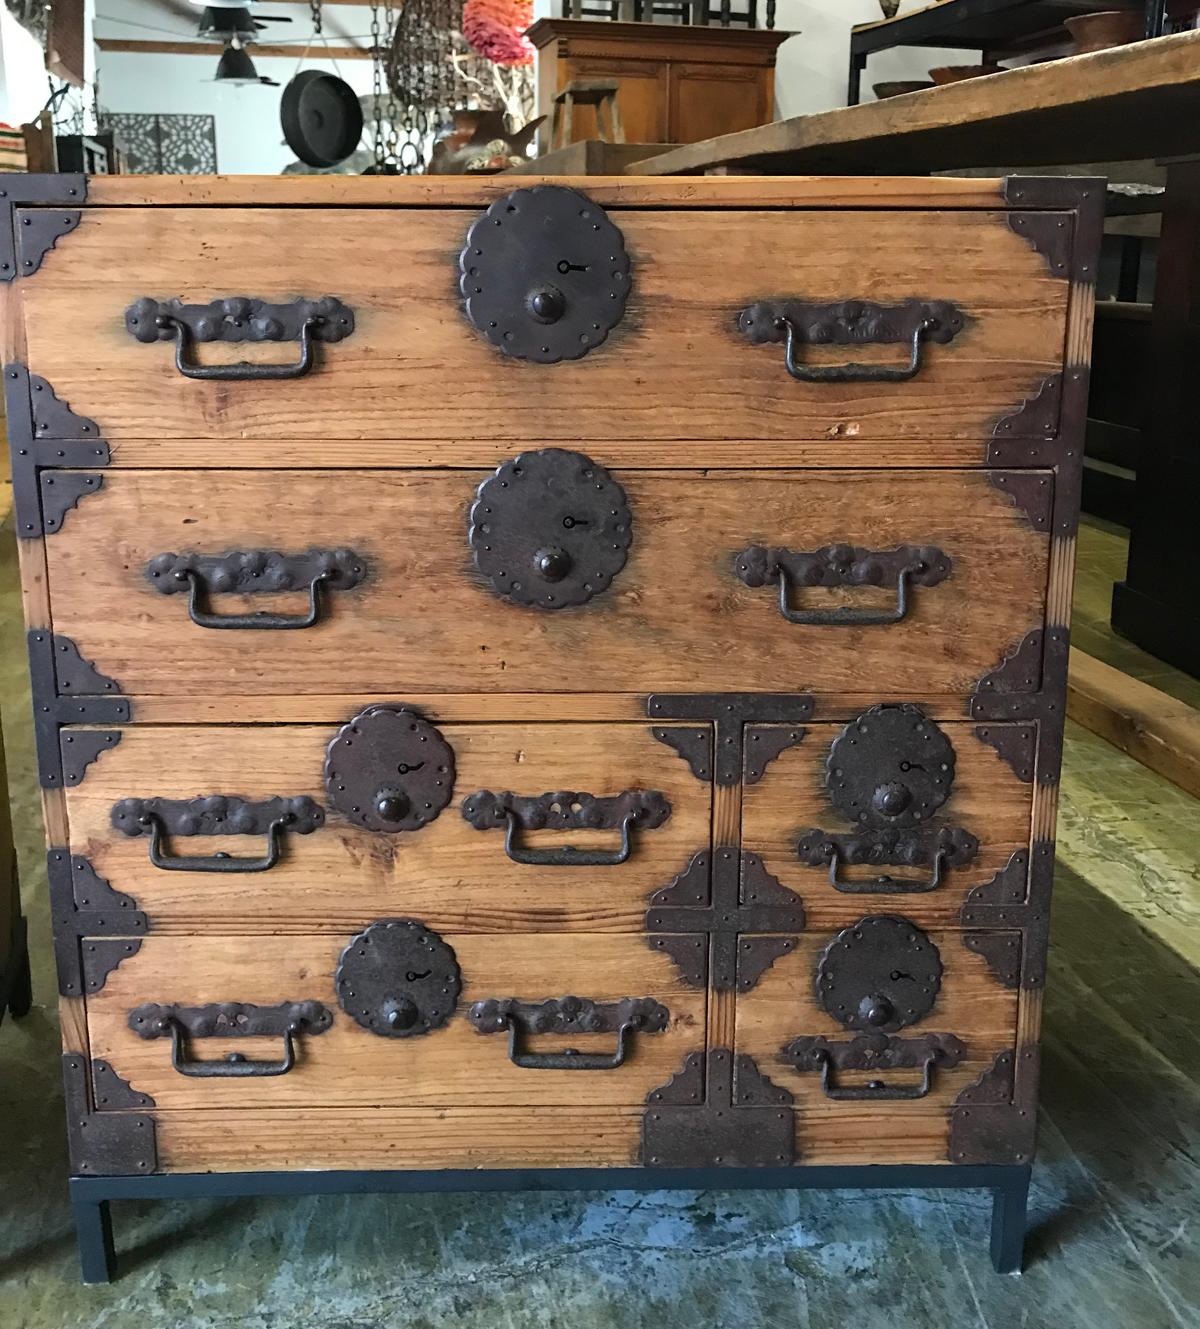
column 548, row 687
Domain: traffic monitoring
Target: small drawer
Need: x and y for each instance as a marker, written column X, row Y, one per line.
column 892, row 811
column 698, row 354
column 880, row 1033
column 483, row 827
column 560, row 577
column 396, row 1015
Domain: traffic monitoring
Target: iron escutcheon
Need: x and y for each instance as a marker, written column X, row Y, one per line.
column 389, row 770
column 550, row 529
column 398, row 979
column 879, row 975
column 890, row 767
column 545, row 274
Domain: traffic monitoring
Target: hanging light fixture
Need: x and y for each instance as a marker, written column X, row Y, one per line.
column 236, row 67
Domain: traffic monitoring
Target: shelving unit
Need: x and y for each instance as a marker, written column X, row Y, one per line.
column 998, row 28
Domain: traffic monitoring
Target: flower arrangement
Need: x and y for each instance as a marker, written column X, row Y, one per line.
column 495, row 30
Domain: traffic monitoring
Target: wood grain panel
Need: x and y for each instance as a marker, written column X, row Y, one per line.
column 986, row 800
column 971, row 1005
column 675, row 368
column 349, row 1066
column 448, row 874
column 675, row 619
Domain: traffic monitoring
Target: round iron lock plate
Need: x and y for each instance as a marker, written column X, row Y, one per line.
column 545, row 274
column 879, row 975
column 398, row 979
column 550, row 529
column 890, row 767
column 389, row 770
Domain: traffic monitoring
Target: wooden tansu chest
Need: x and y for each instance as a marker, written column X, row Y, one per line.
column 550, row 686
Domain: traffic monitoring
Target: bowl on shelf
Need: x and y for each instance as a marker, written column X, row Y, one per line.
column 885, row 90
column 1111, row 27
column 956, row 73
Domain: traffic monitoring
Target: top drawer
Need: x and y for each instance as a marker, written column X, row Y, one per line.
column 678, row 365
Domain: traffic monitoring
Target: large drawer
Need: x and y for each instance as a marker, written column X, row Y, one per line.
column 341, row 872
column 676, row 367
column 341, row 1062
column 694, row 608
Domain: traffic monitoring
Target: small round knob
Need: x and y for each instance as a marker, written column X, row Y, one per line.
column 547, row 304
column 891, row 799
column 879, row 1012
column 391, row 807
column 401, row 1013
column 552, row 563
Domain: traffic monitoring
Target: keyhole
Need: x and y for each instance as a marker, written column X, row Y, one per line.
column 897, row 976
column 570, row 522
column 412, row 976
column 405, row 769
column 911, row 766
column 564, row 266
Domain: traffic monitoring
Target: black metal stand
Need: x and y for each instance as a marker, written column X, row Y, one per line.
column 16, row 987
column 90, row 1196
column 997, row 28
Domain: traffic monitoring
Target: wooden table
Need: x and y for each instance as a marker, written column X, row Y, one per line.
column 1128, row 103
column 1131, row 102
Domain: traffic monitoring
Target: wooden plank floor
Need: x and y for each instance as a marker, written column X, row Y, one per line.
column 1113, row 1198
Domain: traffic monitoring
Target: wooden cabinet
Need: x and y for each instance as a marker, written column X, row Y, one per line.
column 675, row 84
column 625, row 634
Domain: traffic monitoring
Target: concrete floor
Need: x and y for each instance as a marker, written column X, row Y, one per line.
column 1114, row 1200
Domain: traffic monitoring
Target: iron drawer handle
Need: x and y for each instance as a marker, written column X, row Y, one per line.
column 875, row 1089
column 216, row 815
column 887, row 885
column 203, row 619
column 236, row 1065
column 625, row 1017
column 243, row 371
column 875, row 1052
column 219, row 862
column 566, row 811
column 842, row 565
column 851, row 372
column 230, row 1019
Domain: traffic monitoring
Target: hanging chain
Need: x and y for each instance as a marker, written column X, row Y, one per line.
column 377, row 90
column 392, row 110
column 315, row 9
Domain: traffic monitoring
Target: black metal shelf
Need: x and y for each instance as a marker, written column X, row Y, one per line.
column 995, row 27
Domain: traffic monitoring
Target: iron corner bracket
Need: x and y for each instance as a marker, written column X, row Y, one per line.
column 994, row 1120
column 27, row 237
column 83, row 904
column 106, row 1143
column 1058, row 216
column 45, row 437
column 69, row 690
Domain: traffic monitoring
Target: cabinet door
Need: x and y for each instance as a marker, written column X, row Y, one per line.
column 707, row 100
column 641, row 99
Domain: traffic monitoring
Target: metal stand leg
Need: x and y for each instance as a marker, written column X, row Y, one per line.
column 854, row 90
column 20, row 996
column 93, row 1232
column 1008, row 1222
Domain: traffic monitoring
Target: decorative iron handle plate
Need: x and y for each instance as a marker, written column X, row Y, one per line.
column 240, row 319
column 568, row 1015
column 851, row 323
column 216, row 814
column 255, row 571
column 875, row 1052
column 948, row 847
column 182, row 1024
column 641, row 809
column 843, row 565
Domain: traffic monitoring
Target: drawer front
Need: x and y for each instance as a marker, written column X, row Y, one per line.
column 818, row 815
column 902, row 582
column 677, row 365
column 860, row 1094
column 176, row 982
column 568, row 788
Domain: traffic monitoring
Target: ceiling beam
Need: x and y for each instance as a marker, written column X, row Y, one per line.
column 256, row 50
